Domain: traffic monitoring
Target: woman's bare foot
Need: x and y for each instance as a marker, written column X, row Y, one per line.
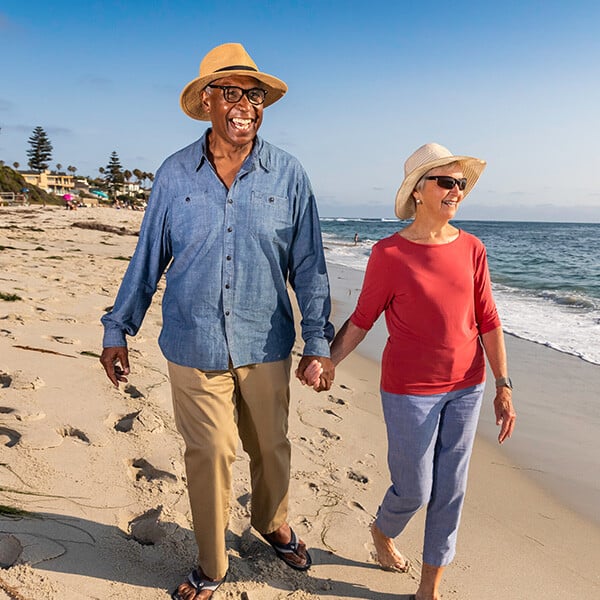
column 387, row 554
column 429, row 587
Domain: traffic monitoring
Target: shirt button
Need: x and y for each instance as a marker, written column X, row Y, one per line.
column 228, row 257
column 230, row 200
column 230, row 229
column 227, row 286
column 187, row 199
column 226, row 313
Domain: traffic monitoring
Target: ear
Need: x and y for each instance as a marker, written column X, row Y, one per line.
column 416, row 196
column 205, row 101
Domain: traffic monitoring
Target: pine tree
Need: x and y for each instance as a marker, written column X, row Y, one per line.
column 40, row 152
column 113, row 173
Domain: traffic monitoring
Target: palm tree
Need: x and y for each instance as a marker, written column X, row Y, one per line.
column 16, row 165
column 72, row 169
column 58, row 168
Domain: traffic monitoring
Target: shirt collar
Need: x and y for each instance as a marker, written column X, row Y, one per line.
column 258, row 157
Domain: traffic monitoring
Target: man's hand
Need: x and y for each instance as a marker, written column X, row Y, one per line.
column 505, row 413
column 316, row 371
column 116, row 364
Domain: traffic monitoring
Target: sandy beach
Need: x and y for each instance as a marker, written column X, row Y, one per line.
column 99, row 472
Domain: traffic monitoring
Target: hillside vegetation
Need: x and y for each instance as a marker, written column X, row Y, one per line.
column 11, row 181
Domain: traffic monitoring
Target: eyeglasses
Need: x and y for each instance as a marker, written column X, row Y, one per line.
column 234, row 94
column 447, row 182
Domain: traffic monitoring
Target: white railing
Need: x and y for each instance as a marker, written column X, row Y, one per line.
column 8, row 198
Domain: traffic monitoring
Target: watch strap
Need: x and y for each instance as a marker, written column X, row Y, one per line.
column 504, row 382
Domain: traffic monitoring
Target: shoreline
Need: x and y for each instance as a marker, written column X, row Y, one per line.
column 88, row 460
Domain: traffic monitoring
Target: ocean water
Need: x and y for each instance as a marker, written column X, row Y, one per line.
column 545, row 276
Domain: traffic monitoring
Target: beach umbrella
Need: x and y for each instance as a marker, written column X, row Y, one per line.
column 68, row 197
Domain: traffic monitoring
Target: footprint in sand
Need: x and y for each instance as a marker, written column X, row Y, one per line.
column 147, row 528
column 5, row 380
column 359, row 477
column 142, row 469
column 73, row 432
column 357, row 505
column 13, row 437
column 64, row 340
column 336, row 400
column 138, row 421
column 9, row 410
column 125, row 423
column 329, row 435
column 337, row 417
column 10, row 550
column 21, row 381
column 133, row 392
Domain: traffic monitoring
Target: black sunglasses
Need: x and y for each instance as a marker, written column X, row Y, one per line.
column 447, row 182
column 233, row 94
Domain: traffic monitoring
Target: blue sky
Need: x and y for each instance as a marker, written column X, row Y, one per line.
column 516, row 83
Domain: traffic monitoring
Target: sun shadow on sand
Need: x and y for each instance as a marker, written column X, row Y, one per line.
column 77, row 546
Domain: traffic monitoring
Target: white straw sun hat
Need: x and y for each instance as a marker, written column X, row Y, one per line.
column 223, row 61
column 428, row 157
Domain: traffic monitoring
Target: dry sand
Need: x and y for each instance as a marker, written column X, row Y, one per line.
column 86, row 460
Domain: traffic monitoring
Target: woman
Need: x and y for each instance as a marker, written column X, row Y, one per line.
column 432, row 282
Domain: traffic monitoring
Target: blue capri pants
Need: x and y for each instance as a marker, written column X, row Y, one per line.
column 430, row 439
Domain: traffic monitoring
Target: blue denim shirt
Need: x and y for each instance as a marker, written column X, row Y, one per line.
column 230, row 254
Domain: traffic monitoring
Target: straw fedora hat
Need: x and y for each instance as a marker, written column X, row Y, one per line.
column 222, row 61
column 428, row 157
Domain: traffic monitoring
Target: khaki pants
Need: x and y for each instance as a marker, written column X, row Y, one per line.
column 211, row 408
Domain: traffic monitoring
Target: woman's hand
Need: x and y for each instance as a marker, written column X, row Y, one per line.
column 316, row 371
column 312, row 373
column 505, row 413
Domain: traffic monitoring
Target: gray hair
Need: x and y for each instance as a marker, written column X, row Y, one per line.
column 421, row 183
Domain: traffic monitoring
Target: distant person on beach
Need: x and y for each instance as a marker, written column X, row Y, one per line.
column 235, row 220
column 432, row 282
column 356, row 238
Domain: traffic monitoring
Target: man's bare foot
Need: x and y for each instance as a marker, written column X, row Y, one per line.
column 296, row 556
column 387, row 554
column 197, row 587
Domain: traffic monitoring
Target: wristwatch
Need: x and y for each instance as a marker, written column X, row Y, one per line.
column 504, row 382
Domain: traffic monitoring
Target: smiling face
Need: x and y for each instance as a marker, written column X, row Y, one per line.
column 437, row 202
column 233, row 123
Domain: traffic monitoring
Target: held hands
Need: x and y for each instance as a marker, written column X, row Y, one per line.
column 505, row 413
column 116, row 364
column 316, row 371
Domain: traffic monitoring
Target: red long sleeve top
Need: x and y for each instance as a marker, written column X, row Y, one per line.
column 437, row 300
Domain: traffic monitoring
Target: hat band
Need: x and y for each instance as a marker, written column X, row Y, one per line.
column 237, row 68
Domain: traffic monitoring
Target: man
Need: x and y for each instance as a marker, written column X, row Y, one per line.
column 234, row 219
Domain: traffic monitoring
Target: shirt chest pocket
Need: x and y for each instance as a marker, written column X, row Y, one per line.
column 194, row 217
column 270, row 216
